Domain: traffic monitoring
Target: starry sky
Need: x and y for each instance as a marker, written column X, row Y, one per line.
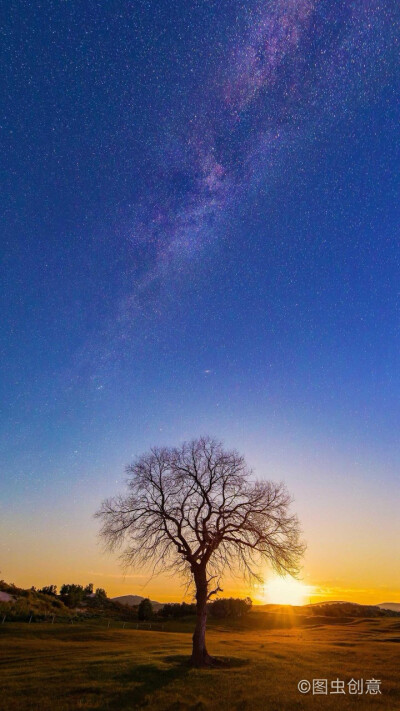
column 200, row 235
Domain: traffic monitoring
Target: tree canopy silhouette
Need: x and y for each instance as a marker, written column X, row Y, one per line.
column 145, row 609
column 196, row 509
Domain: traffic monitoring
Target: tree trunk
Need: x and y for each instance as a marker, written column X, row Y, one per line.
column 200, row 656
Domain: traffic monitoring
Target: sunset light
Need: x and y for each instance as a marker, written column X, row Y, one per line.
column 287, row 591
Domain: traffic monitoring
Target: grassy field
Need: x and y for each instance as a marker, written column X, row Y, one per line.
column 63, row 667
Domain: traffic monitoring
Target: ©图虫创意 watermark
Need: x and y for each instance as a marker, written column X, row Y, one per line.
column 338, row 686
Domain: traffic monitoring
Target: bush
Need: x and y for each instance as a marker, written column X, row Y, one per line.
column 10, row 588
column 72, row 595
column 176, row 610
column 230, row 607
column 49, row 590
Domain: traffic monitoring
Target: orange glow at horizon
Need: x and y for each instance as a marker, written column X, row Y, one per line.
column 286, row 590
column 365, row 571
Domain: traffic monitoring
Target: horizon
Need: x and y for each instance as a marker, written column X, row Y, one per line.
column 316, row 596
column 257, row 601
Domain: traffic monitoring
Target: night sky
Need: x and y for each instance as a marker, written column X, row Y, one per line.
column 200, row 223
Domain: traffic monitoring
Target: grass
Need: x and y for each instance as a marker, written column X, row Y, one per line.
column 63, row 667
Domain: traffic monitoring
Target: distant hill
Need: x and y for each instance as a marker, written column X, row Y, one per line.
column 332, row 602
column 395, row 606
column 336, row 608
column 133, row 600
column 350, row 609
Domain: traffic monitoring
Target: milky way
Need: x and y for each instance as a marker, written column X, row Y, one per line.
column 234, row 122
column 300, row 64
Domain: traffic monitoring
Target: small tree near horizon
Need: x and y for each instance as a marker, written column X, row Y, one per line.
column 196, row 510
column 145, row 609
column 71, row 595
column 100, row 594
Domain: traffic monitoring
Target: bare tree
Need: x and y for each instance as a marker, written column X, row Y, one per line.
column 196, row 510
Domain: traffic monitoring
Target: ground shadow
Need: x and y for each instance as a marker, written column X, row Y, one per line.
column 141, row 680
column 218, row 662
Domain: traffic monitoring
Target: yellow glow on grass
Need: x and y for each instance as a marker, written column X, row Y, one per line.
column 287, row 591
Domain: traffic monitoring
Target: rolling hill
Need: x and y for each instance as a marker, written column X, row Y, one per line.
column 133, row 600
column 395, row 606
